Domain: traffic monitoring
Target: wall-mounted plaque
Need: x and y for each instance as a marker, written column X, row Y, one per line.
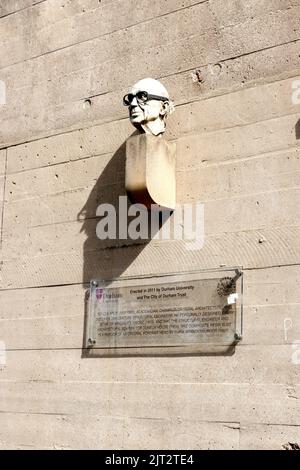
column 184, row 313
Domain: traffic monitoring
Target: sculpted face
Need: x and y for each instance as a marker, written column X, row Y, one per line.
column 149, row 104
column 144, row 112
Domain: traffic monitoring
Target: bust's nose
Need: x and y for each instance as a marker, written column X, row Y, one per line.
column 134, row 102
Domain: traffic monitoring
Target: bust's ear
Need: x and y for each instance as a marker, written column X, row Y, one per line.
column 165, row 108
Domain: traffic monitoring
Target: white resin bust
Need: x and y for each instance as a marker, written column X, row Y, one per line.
column 149, row 105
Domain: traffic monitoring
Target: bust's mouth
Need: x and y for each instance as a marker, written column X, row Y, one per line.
column 137, row 117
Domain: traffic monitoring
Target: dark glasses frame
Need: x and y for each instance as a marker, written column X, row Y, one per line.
column 141, row 97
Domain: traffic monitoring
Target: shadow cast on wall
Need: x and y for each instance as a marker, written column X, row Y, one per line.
column 106, row 259
column 109, row 258
column 297, row 130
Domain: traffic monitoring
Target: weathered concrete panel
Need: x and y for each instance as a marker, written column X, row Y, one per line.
column 29, row 431
column 80, row 74
column 230, row 67
column 53, row 318
column 252, row 105
column 268, row 437
column 8, row 7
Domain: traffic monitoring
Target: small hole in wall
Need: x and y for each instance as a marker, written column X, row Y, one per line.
column 87, row 103
column 197, row 76
column 216, row 69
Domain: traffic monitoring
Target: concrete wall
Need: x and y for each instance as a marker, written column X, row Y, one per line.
column 229, row 66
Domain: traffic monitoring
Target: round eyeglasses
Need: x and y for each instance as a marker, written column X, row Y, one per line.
column 142, row 97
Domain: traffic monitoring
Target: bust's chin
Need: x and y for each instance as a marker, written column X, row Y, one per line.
column 155, row 127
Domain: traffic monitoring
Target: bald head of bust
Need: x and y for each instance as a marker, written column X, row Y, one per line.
column 149, row 105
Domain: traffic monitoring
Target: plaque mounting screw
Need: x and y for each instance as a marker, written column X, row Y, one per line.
column 91, row 342
column 238, row 274
column 238, row 337
column 94, row 283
